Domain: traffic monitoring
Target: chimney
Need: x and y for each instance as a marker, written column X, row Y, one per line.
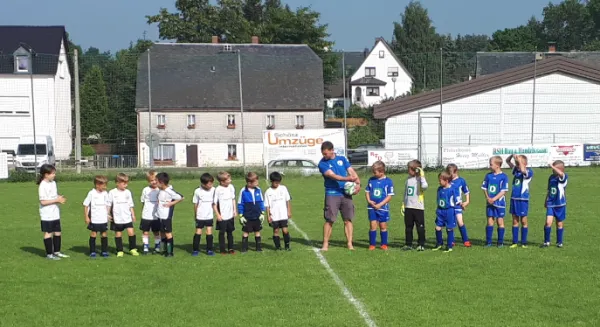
column 255, row 40
column 215, row 39
column 551, row 46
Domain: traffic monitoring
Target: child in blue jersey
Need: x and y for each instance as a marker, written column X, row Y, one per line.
column 461, row 189
column 251, row 209
column 445, row 215
column 379, row 192
column 519, row 199
column 556, row 203
column 495, row 186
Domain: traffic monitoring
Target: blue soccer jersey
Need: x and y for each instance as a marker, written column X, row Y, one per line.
column 461, row 188
column 446, row 197
column 378, row 190
column 339, row 165
column 556, row 191
column 521, row 183
column 494, row 184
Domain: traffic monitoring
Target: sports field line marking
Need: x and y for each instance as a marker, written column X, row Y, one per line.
column 359, row 306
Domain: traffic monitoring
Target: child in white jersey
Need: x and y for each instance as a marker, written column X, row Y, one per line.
column 123, row 215
column 203, row 212
column 96, row 212
column 49, row 211
column 225, row 209
column 150, row 221
column 279, row 210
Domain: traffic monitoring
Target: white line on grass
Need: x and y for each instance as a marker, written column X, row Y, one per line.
column 359, row 306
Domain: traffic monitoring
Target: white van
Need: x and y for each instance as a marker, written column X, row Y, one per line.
column 25, row 158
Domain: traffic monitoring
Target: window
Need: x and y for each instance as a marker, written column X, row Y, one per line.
column 373, row 91
column 381, row 54
column 277, row 164
column 22, row 64
column 370, row 71
column 191, row 121
column 299, row 121
column 164, row 154
column 392, row 71
column 161, row 121
column 270, row 121
column 308, row 164
column 231, row 121
column 231, row 152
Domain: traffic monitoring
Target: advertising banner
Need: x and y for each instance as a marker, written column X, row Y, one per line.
column 591, row 152
column 301, row 143
column 393, row 158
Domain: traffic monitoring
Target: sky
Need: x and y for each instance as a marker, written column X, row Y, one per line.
column 353, row 24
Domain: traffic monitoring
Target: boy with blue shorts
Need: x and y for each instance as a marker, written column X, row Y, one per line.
column 519, row 199
column 495, row 186
column 556, row 203
column 379, row 192
column 445, row 215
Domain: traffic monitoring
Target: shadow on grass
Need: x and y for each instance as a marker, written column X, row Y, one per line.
column 35, row 251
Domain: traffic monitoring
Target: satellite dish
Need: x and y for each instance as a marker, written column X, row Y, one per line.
column 152, row 140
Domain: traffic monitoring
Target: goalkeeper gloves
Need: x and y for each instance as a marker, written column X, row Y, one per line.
column 262, row 217
column 402, row 209
column 420, row 172
column 242, row 220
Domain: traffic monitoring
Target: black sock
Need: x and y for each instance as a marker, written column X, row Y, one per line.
column 163, row 241
column 92, row 244
column 230, row 241
column 119, row 244
column 286, row 240
column 196, row 243
column 104, row 244
column 277, row 241
column 222, row 241
column 258, row 243
column 245, row 244
column 48, row 245
column 132, row 241
column 56, row 240
column 170, row 243
column 209, row 243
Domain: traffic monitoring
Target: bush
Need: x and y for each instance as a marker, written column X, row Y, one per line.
column 86, row 151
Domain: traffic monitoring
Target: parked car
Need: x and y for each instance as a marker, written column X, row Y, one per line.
column 360, row 155
column 302, row 167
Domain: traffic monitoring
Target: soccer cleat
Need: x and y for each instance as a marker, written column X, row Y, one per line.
column 243, row 252
column 146, row 251
column 545, row 245
column 453, row 244
column 489, row 245
column 287, row 248
column 278, row 248
column 420, row 248
column 134, row 252
column 407, row 248
column 514, row 246
column 371, row 247
column 231, row 251
column 157, row 250
column 500, row 245
column 259, row 251
column 169, row 255
column 104, row 254
column 120, row 254
column 559, row 245
column 210, row 253
column 195, row 253
column 93, row 255
column 524, row 246
column 60, row 255
column 467, row 244
column 52, row 257
column 437, row 247
column 448, row 250
column 384, row 247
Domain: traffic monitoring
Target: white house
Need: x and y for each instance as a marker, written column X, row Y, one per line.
column 47, row 45
column 380, row 76
column 499, row 109
column 195, row 100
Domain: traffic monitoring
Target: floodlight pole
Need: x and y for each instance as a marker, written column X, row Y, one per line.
column 345, row 108
column 151, row 141
column 239, row 58
column 31, row 55
column 77, row 113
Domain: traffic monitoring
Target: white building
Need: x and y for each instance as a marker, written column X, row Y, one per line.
column 51, row 86
column 381, row 76
column 195, row 100
column 499, row 109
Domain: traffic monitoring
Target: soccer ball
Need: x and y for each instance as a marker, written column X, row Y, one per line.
column 349, row 188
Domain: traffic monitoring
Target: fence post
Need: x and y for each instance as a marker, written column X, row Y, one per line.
column 533, row 100
column 77, row 112
column 151, row 145
column 469, row 139
column 440, row 127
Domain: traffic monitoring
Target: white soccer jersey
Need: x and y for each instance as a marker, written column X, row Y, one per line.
column 224, row 199
column 48, row 191
column 121, row 202
column 150, row 200
column 276, row 200
column 164, row 197
column 204, row 199
column 98, row 204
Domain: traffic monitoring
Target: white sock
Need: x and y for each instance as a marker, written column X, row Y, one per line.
column 156, row 240
column 145, row 239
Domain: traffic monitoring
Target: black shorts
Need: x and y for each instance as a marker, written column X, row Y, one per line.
column 204, row 223
column 98, row 227
column 147, row 225
column 120, row 227
column 279, row 224
column 51, row 226
column 252, row 226
column 226, row 225
column 166, row 225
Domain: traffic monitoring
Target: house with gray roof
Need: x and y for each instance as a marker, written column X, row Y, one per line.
column 189, row 95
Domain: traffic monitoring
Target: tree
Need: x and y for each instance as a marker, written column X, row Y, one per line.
column 362, row 135
column 94, row 105
column 522, row 38
column 569, row 24
column 238, row 20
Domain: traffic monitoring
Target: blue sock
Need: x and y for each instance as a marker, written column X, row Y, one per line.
column 372, row 237
column 500, row 235
column 524, row 232
column 438, row 237
column 450, row 237
column 515, row 231
column 384, row 237
column 547, row 231
column 489, row 231
column 463, row 233
column 559, row 235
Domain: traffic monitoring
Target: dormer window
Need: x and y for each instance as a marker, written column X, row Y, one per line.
column 22, row 61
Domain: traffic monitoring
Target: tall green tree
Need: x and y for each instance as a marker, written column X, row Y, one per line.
column 94, row 105
column 569, row 24
column 238, row 20
column 522, row 38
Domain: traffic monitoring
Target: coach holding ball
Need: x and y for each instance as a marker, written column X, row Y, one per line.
column 336, row 171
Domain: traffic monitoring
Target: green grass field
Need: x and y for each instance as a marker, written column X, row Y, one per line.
column 469, row 287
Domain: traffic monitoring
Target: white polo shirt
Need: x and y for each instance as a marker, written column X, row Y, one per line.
column 150, row 200
column 98, row 204
column 48, row 191
column 164, row 197
column 204, row 199
column 121, row 202
column 225, row 199
column 276, row 200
